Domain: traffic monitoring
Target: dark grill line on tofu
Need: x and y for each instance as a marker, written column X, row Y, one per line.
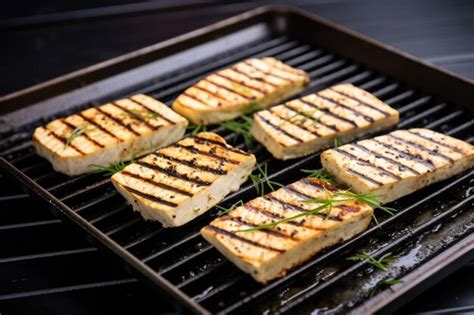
column 158, row 184
column 332, row 127
column 278, row 128
column 287, row 205
column 271, row 110
column 420, row 147
column 153, row 111
column 191, row 164
column 135, row 116
column 222, row 145
column 452, row 148
column 92, row 122
column 293, row 191
column 406, row 155
column 173, row 173
column 245, row 86
column 64, row 141
column 373, row 181
column 195, row 98
column 71, row 126
column 339, row 104
column 250, row 98
column 328, row 112
column 401, row 166
column 367, row 163
column 117, row 121
column 267, row 72
column 386, row 114
column 261, row 79
column 195, row 150
column 149, row 197
column 213, row 94
column 312, row 183
column 243, row 222
column 242, row 239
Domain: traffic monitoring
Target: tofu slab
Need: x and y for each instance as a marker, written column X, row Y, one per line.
column 109, row 133
column 268, row 254
column 399, row 163
column 182, row 181
column 244, row 87
column 309, row 124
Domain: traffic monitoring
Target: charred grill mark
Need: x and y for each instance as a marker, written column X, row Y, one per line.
column 93, row 123
column 196, row 99
column 215, row 95
column 373, row 181
column 117, row 121
column 71, row 126
column 267, row 72
column 235, row 69
column 242, row 239
column 328, row 112
column 243, row 222
column 386, row 114
column 309, row 182
column 157, row 184
column 222, row 145
column 252, row 88
column 401, row 166
column 64, row 141
column 171, row 171
column 334, row 128
column 452, row 148
column 367, row 163
column 150, row 197
column 277, row 128
column 133, row 115
column 314, row 132
column 337, row 103
column 250, row 98
column 422, row 148
column 407, row 155
column 153, row 111
column 290, row 206
column 191, row 164
column 195, row 150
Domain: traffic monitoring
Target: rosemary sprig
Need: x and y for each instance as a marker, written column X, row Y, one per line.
column 260, row 180
column 380, row 263
column 194, row 129
column 78, row 132
column 224, row 210
column 320, row 174
column 384, row 282
column 337, row 142
column 369, row 199
column 240, row 128
column 254, row 107
column 112, row 168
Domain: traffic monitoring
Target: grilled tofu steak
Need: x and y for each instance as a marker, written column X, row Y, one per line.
column 182, row 181
column 242, row 88
column 269, row 253
column 311, row 123
column 109, row 133
column 399, row 163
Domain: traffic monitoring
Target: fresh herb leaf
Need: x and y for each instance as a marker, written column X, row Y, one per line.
column 384, row 282
column 254, row 106
column 369, row 199
column 78, row 132
column 261, row 180
column 224, row 210
column 337, row 142
column 320, row 174
column 380, row 263
column 240, row 127
column 194, row 129
column 112, row 168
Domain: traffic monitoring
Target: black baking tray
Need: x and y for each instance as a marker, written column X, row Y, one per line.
column 431, row 235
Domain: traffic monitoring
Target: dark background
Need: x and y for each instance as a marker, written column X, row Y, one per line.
column 52, row 268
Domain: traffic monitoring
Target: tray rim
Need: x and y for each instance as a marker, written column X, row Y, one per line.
column 99, row 238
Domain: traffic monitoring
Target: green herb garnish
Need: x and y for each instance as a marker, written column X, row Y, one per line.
column 142, row 114
column 380, row 263
column 321, row 174
column 254, row 106
column 112, row 168
column 241, row 89
column 260, row 180
column 78, row 132
column 240, row 128
column 337, row 142
column 384, row 282
column 194, row 129
column 224, row 210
